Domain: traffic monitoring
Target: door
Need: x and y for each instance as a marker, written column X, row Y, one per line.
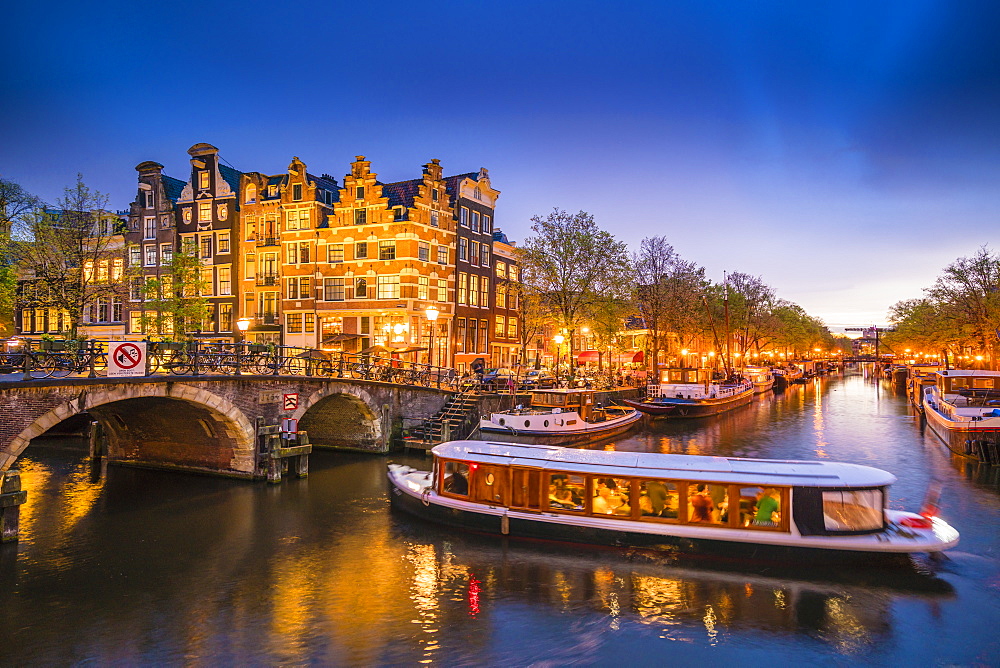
column 490, row 484
column 526, row 489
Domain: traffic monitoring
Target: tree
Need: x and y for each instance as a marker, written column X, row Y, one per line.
column 668, row 293
column 569, row 262
column 176, row 299
column 72, row 256
column 531, row 316
column 967, row 297
column 16, row 207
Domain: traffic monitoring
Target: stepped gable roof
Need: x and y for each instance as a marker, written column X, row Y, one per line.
column 172, row 187
column 231, row 176
column 401, row 193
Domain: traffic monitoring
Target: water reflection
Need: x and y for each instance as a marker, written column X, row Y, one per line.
column 149, row 567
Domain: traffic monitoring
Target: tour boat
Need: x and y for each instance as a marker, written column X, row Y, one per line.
column 740, row 508
column 963, row 409
column 561, row 416
column 685, row 393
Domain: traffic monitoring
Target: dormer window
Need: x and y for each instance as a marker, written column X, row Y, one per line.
column 297, row 192
column 203, row 180
column 251, row 194
column 272, row 191
column 477, row 193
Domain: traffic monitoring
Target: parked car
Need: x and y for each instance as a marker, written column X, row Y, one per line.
column 538, row 378
column 499, row 380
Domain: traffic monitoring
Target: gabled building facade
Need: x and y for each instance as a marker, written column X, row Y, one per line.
column 384, row 259
column 282, row 220
column 473, row 202
column 150, row 242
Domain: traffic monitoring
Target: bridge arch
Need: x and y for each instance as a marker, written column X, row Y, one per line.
column 341, row 416
column 173, row 425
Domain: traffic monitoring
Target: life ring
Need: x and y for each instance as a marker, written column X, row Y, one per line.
column 425, row 497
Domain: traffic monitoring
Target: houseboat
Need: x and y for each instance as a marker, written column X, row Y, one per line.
column 963, row 409
column 683, row 393
column 740, row 508
column 787, row 375
column 761, row 377
column 560, row 416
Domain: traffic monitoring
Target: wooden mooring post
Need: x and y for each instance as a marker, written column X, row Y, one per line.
column 11, row 498
column 283, row 452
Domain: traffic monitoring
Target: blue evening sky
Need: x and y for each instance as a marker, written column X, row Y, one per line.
column 845, row 152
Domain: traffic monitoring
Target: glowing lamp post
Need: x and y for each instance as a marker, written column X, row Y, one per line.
column 558, row 338
column 432, row 316
column 242, row 325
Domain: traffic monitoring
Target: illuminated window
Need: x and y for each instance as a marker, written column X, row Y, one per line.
column 205, row 212
column 203, row 180
column 388, row 287
column 335, row 253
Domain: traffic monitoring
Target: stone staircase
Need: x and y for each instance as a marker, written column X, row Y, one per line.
column 457, row 419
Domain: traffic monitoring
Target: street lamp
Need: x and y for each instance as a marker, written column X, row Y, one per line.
column 432, row 316
column 242, row 325
column 558, row 338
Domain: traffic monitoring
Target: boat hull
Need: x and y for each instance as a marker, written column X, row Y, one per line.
column 691, row 408
column 970, row 439
column 550, row 430
column 543, row 526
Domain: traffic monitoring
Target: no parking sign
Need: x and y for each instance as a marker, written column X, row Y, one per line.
column 126, row 358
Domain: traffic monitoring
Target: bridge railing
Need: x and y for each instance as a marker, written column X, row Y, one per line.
column 35, row 359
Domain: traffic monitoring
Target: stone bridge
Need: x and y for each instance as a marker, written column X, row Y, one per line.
column 209, row 423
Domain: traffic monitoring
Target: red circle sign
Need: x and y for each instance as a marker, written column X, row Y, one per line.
column 128, row 356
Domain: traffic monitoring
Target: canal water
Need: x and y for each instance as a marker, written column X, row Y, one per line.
column 148, row 567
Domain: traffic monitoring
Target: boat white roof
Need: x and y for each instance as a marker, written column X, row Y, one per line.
column 667, row 466
column 969, row 372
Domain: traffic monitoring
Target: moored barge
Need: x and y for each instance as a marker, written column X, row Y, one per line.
column 561, row 416
column 963, row 409
column 741, row 508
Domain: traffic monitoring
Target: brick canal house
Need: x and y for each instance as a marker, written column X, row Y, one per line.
column 311, row 263
column 200, row 217
column 386, row 256
column 506, row 347
column 282, row 220
column 473, row 202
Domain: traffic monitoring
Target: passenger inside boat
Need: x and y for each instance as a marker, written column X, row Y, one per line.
column 768, row 507
column 566, row 492
column 658, row 498
column 456, row 478
column 609, row 500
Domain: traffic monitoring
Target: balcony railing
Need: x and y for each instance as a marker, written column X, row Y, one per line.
column 267, row 279
column 267, row 241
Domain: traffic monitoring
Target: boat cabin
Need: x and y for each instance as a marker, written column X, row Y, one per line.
column 563, row 400
column 721, row 492
column 969, row 384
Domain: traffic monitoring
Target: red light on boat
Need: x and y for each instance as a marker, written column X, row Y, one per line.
column 916, row 522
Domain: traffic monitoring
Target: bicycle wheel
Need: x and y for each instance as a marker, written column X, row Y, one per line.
column 359, row 371
column 322, row 368
column 295, row 366
column 179, row 364
column 62, row 364
column 41, row 365
column 101, row 364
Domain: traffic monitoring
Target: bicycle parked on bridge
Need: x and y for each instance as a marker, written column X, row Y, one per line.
column 59, row 364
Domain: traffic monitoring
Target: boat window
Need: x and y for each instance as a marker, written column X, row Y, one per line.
column 611, row 496
column 959, row 382
column 760, row 507
column 853, row 510
column 982, row 383
column 567, row 492
column 708, row 503
column 658, row 498
column 456, row 478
